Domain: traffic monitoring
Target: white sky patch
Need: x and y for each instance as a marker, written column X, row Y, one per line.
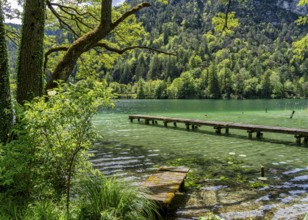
column 15, row 5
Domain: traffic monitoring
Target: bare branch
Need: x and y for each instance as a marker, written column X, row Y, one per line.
column 52, row 50
column 64, row 7
column 73, row 15
column 12, row 40
column 129, row 13
column 121, row 51
column 61, row 21
column 12, row 36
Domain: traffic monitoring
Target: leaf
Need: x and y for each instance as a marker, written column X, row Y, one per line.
column 302, row 2
column 220, row 24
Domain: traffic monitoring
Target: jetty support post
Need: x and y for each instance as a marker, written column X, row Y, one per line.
column 250, row 134
column 153, row 122
column 227, row 130
column 218, row 130
column 306, row 141
column 187, row 126
column 259, row 134
column 262, row 171
column 174, row 124
column 147, row 121
column 166, row 123
column 131, row 119
column 138, row 119
column 298, row 139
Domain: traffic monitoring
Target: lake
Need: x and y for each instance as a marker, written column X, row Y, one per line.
column 131, row 151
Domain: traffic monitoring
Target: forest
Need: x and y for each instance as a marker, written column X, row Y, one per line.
column 69, row 60
column 254, row 61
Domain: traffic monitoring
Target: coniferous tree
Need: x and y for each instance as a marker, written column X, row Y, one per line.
column 213, row 84
column 6, row 114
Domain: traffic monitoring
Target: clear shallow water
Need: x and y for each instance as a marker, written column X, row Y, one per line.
column 131, row 150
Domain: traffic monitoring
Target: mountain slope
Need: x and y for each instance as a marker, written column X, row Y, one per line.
column 253, row 62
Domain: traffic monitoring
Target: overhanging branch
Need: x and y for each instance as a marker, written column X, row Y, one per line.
column 53, row 50
column 129, row 13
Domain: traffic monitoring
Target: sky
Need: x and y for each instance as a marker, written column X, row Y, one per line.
column 15, row 5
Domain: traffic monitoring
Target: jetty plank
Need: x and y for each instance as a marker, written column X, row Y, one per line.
column 217, row 125
column 165, row 183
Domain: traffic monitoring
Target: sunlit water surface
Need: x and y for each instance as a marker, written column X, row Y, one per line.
column 131, row 151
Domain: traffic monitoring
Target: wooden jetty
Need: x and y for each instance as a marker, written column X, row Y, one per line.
column 165, row 183
column 218, row 126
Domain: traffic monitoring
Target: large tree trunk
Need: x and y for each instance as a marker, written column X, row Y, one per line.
column 30, row 64
column 6, row 114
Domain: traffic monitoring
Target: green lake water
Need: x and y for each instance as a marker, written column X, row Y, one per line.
column 132, row 150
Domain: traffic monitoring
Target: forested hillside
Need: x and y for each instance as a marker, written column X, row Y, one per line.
column 255, row 61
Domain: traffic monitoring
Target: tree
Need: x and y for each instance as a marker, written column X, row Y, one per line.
column 6, row 113
column 301, row 46
column 29, row 73
column 107, row 24
column 213, row 90
column 140, row 89
column 265, row 85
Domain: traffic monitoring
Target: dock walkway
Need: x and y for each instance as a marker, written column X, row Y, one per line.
column 165, row 183
column 218, row 126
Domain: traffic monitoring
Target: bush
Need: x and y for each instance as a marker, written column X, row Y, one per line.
column 52, row 142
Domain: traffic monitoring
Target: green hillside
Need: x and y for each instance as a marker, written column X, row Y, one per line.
column 253, row 62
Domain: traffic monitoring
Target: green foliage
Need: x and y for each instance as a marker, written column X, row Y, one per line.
column 258, row 184
column 82, row 19
column 229, row 171
column 300, row 48
column 105, row 198
column 43, row 210
column 220, row 25
column 302, row 2
column 244, row 66
column 53, row 139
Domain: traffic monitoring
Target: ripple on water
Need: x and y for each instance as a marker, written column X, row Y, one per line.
column 297, row 170
column 287, row 199
column 263, row 198
column 243, row 215
column 111, row 164
column 297, row 192
column 97, row 160
column 290, row 213
column 300, row 178
column 213, row 188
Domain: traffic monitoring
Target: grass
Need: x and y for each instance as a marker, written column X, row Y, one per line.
column 108, row 199
column 96, row 197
